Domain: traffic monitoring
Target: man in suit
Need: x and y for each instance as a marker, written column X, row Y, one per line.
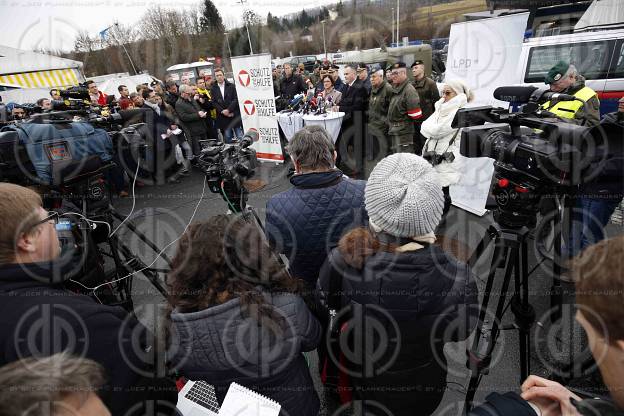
column 354, row 104
column 192, row 116
column 225, row 101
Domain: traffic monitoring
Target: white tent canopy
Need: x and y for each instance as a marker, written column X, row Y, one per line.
column 26, row 69
column 16, row 61
column 602, row 14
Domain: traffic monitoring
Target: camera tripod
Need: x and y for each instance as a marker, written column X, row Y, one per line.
column 510, row 249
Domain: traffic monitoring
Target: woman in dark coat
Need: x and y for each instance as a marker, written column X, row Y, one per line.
column 399, row 298
column 238, row 316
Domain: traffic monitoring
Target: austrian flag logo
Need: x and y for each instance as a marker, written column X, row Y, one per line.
column 249, row 107
column 243, row 78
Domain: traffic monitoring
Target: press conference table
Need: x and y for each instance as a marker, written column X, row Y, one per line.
column 292, row 122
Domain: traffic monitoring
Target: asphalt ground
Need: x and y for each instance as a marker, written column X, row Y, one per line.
column 162, row 213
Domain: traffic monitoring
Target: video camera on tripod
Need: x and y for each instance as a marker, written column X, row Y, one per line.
column 227, row 166
column 71, row 163
column 534, row 153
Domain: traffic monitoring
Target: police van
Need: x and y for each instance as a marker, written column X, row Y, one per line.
column 598, row 56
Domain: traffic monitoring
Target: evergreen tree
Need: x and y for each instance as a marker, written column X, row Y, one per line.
column 340, row 9
column 210, row 20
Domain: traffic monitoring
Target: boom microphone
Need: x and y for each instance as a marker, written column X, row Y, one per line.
column 514, row 94
column 547, row 95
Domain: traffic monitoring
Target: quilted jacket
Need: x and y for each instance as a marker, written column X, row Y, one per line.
column 416, row 301
column 307, row 221
column 220, row 345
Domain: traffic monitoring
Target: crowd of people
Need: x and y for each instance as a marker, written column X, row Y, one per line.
column 366, row 283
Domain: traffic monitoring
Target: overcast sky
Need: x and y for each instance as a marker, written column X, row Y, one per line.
column 53, row 24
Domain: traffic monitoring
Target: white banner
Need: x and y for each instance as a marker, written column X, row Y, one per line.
column 254, row 87
column 484, row 54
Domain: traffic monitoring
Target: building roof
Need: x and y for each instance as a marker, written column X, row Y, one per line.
column 600, row 15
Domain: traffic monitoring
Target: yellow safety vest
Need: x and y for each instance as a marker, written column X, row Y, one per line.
column 567, row 109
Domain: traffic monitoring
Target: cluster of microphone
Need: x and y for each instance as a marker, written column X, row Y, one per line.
column 309, row 104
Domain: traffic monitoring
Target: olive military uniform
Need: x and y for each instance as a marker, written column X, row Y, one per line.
column 428, row 95
column 377, row 145
column 403, row 110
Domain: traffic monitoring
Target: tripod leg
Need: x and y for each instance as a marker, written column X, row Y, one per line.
column 142, row 237
column 523, row 311
column 478, row 354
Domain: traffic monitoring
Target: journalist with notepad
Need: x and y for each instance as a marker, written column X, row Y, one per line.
column 238, row 316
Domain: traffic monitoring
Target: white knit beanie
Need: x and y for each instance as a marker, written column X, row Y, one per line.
column 403, row 196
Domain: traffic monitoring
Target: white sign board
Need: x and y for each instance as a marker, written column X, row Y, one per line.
column 254, row 86
column 485, row 55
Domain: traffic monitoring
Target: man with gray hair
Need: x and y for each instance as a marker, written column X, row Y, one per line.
column 193, row 117
column 307, row 221
column 564, row 78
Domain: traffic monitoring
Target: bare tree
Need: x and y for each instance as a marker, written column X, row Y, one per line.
column 84, row 42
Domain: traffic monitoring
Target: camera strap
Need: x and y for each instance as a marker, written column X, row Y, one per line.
column 449, row 144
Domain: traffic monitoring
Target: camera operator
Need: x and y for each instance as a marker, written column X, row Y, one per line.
column 564, row 78
column 97, row 96
column 442, row 146
column 41, row 318
column 599, row 280
column 56, row 95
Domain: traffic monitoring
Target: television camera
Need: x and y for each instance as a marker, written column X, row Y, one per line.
column 71, row 163
column 228, row 166
column 535, row 154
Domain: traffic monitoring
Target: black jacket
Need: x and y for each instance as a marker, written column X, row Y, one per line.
column 40, row 319
column 289, row 87
column 606, row 173
column 229, row 102
column 306, row 222
column 354, row 98
column 188, row 112
column 416, row 301
column 512, row 404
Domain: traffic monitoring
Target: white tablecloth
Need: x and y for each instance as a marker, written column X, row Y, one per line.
column 290, row 122
column 293, row 122
column 331, row 121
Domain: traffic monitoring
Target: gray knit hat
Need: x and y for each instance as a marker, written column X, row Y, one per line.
column 403, row 196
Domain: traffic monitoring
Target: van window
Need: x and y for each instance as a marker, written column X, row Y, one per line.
column 590, row 58
column 618, row 70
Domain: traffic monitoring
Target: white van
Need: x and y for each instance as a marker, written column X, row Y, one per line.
column 598, row 56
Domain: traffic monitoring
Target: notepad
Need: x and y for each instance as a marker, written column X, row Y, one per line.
column 240, row 401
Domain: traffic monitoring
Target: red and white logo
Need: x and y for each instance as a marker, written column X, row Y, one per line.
column 249, row 107
column 243, row 78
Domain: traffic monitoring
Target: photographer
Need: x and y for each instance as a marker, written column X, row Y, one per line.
column 239, row 316
column 40, row 317
column 442, row 146
column 599, row 280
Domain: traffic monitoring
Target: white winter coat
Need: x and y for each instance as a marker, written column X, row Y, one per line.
column 438, row 132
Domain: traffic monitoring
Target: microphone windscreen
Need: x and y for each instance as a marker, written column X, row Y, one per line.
column 514, row 94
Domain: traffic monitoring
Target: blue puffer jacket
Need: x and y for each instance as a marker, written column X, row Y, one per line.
column 306, row 222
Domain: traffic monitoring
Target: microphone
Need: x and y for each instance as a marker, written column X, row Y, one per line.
column 295, row 102
column 514, row 94
column 547, row 95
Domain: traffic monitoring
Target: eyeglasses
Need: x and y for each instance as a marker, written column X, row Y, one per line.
column 53, row 218
column 445, row 93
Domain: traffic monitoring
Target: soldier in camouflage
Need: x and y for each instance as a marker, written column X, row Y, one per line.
column 377, row 145
column 403, row 110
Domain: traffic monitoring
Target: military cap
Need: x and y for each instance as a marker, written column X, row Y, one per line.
column 417, row 62
column 399, row 65
column 556, row 72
